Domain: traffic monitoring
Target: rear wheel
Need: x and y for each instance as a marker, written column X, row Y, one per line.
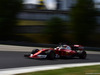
column 82, row 55
column 50, row 54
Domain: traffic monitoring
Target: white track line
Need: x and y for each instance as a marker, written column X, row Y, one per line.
column 12, row 71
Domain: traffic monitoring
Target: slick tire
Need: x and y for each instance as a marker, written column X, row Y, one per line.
column 34, row 51
column 82, row 55
column 50, row 55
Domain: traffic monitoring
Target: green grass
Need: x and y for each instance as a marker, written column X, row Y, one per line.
column 30, row 22
column 69, row 71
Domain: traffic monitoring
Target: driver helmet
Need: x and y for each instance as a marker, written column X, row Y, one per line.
column 64, row 46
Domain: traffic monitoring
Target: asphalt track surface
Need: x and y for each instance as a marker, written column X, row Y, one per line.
column 14, row 59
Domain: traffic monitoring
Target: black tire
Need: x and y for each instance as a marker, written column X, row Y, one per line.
column 34, row 51
column 50, row 54
column 82, row 55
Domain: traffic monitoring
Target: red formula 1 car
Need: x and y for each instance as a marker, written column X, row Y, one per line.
column 62, row 51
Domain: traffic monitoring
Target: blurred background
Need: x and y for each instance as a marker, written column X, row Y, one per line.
column 51, row 21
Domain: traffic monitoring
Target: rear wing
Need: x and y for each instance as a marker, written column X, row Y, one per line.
column 77, row 47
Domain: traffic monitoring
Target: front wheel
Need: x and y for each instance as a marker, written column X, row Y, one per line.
column 51, row 54
column 34, row 51
column 82, row 55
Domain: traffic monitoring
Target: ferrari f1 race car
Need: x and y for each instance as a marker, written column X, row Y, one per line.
column 62, row 51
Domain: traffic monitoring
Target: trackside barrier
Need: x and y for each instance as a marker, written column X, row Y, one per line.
column 41, row 45
column 27, row 44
